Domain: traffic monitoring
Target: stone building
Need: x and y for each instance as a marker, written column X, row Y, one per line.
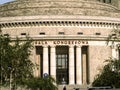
column 69, row 35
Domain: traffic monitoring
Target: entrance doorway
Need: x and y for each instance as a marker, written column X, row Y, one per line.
column 62, row 64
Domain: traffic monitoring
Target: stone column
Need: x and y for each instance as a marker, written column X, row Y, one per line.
column 33, row 59
column 38, row 65
column 53, row 62
column 45, row 59
column 71, row 65
column 84, row 70
column 114, row 52
column 78, row 65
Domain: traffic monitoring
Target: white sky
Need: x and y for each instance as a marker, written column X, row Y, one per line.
column 5, row 1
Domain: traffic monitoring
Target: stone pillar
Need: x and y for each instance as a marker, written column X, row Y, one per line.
column 38, row 65
column 53, row 62
column 117, row 53
column 84, row 62
column 78, row 65
column 71, row 65
column 45, row 60
column 33, row 59
column 114, row 52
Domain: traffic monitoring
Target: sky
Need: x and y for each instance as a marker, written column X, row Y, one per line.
column 5, row 1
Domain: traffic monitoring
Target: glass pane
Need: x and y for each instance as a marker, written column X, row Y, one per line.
column 59, row 61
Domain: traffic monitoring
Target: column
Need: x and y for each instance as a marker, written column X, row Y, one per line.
column 84, row 66
column 53, row 62
column 38, row 65
column 45, row 60
column 33, row 59
column 78, row 65
column 114, row 52
column 71, row 65
column 117, row 53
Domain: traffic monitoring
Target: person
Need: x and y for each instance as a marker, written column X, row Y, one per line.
column 64, row 88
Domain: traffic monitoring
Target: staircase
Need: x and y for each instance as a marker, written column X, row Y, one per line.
column 73, row 87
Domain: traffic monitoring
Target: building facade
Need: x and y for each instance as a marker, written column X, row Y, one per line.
column 69, row 35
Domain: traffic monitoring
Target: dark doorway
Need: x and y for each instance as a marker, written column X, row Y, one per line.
column 62, row 64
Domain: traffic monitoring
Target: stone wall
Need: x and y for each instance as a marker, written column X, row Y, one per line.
column 68, row 7
column 97, row 57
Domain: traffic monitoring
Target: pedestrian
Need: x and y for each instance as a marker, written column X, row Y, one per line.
column 64, row 88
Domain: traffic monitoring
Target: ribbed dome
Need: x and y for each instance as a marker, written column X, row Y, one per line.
column 57, row 7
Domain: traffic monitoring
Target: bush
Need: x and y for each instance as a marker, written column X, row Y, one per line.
column 47, row 83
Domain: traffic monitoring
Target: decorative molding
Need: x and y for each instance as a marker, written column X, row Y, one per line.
column 60, row 23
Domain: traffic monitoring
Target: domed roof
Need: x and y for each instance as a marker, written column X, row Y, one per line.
column 57, row 7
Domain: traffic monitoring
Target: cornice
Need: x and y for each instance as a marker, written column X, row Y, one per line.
column 88, row 21
column 66, row 37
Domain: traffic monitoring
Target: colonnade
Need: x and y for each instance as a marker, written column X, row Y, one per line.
column 71, row 63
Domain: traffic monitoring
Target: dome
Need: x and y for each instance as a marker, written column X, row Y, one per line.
column 57, row 7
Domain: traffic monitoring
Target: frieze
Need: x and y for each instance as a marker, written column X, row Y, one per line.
column 62, row 42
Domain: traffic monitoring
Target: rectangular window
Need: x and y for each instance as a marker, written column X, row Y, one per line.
column 6, row 34
column 61, row 61
column 42, row 33
column 80, row 33
column 97, row 33
column 23, row 33
column 61, row 33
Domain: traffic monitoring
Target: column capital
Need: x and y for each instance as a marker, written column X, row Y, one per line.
column 78, row 46
column 71, row 46
column 52, row 46
column 44, row 46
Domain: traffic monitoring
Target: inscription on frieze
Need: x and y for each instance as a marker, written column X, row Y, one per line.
column 61, row 42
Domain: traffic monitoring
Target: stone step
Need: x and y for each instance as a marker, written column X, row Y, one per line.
column 72, row 87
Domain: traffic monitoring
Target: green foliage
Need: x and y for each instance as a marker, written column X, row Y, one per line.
column 16, row 66
column 14, row 60
column 110, row 75
column 47, row 83
column 114, row 36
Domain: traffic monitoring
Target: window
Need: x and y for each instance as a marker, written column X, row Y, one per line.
column 62, row 68
column 6, row 34
column 23, row 33
column 97, row 33
column 61, row 33
column 42, row 33
column 62, row 61
column 80, row 33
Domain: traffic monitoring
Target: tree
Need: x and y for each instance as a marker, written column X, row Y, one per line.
column 16, row 66
column 15, row 63
column 114, row 36
column 47, row 83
